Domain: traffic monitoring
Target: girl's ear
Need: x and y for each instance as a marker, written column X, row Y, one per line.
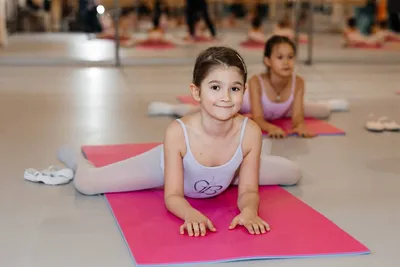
column 195, row 91
column 267, row 62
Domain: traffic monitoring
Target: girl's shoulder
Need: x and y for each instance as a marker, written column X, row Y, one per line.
column 299, row 80
column 298, row 77
column 257, row 77
column 250, row 129
column 252, row 134
column 174, row 138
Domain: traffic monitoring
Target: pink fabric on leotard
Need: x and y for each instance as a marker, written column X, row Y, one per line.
column 272, row 110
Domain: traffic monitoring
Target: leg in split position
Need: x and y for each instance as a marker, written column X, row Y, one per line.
column 137, row 173
column 144, row 171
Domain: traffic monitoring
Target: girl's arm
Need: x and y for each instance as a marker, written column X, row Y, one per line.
column 298, row 125
column 173, row 172
column 248, row 198
column 298, row 104
column 256, row 105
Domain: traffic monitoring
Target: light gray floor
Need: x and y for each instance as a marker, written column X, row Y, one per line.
column 354, row 180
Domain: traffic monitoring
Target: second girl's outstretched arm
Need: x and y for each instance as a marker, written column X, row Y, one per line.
column 298, row 104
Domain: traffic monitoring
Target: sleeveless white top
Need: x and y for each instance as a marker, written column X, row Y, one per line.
column 203, row 182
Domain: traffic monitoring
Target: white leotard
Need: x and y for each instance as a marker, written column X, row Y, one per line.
column 202, row 181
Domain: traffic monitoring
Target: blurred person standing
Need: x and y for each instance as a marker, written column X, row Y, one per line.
column 393, row 8
column 195, row 11
column 3, row 24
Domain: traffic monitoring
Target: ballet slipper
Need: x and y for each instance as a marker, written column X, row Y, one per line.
column 50, row 176
column 374, row 125
column 388, row 124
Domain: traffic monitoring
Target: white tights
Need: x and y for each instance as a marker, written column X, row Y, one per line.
column 144, row 172
column 315, row 110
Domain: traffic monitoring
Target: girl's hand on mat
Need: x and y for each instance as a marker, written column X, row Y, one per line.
column 251, row 221
column 196, row 224
column 302, row 131
column 276, row 132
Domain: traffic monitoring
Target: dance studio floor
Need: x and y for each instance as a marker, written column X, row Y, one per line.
column 354, row 180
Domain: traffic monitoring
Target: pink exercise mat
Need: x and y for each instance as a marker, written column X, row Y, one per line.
column 155, row 45
column 389, row 46
column 152, row 233
column 315, row 125
column 252, row 44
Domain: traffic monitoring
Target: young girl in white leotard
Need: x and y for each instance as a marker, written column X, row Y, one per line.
column 279, row 92
column 203, row 153
column 275, row 94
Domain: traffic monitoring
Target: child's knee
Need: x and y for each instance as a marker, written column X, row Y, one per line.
column 294, row 173
column 317, row 110
column 279, row 171
column 325, row 112
column 83, row 185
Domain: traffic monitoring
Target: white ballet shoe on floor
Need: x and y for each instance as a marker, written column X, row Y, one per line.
column 49, row 176
column 374, row 126
column 388, row 124
column 381, row 124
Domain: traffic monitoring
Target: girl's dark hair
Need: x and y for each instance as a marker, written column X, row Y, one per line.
column 277, row 40
column 217, row 56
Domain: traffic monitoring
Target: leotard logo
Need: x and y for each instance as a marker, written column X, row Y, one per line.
column 204, row 187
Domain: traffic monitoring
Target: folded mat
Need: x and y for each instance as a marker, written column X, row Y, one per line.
column 152, row 233
column 316, row 126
